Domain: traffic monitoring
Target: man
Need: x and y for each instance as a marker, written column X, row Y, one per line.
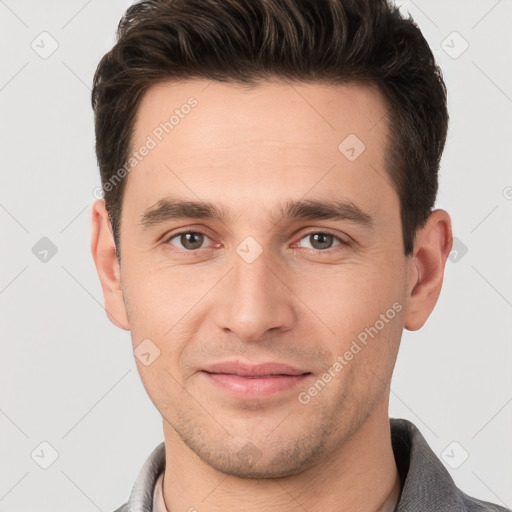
column 269, row 170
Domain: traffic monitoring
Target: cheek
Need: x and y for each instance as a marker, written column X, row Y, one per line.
column 347, row 299
column 155, row 296
column 161, row 305
column 361, row 312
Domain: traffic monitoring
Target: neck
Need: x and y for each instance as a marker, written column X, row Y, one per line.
column 360, row 475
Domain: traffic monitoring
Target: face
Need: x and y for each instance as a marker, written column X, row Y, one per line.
column 275, row 322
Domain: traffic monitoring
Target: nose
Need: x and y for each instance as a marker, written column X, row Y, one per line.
column 256, row 300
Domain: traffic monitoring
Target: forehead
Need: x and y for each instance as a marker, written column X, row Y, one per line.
column 283, row 110
column 216, row 140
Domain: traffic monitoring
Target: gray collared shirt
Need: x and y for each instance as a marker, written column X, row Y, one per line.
column 426, row 484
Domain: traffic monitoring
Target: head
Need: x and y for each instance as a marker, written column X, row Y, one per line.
column 269, row 172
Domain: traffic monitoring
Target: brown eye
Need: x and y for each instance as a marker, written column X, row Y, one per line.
column 189, row 240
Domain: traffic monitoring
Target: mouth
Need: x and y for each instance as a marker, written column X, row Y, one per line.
column 249, row 381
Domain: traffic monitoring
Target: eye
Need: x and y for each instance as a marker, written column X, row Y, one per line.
column 189, row 240
column 322, row 241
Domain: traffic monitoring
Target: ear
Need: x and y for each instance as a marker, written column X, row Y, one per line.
column 105, row 258
column 432, row 247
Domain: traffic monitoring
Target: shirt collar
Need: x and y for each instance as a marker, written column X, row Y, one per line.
column 426, row 484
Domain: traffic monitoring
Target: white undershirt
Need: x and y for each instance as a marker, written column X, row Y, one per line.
column 158, row 495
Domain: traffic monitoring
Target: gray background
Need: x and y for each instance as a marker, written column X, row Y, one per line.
column 68, row 376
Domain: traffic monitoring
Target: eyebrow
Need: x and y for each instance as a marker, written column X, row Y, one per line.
column 174, row 209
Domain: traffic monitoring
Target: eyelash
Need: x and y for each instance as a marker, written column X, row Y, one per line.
column 313, row 232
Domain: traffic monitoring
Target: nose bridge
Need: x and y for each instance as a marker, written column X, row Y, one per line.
column 256, row 300
column 253, row 281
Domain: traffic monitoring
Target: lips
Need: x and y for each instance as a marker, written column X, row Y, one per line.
column 254, row 381
column 241, row 369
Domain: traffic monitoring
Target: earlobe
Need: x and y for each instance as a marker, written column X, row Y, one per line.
column 426, row 268
column 105, row 258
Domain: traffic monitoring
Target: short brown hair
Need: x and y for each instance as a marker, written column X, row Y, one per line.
column 248, row 41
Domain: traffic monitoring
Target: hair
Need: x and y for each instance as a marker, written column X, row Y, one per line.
column 249, row 41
